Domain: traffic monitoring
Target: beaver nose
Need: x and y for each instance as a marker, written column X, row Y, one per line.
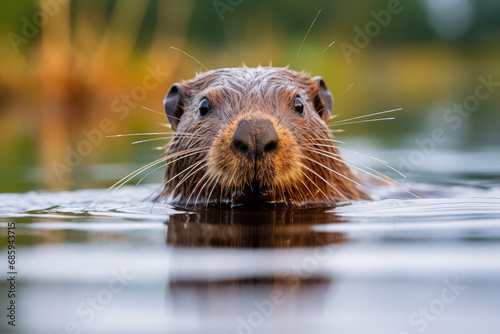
column 254, row 138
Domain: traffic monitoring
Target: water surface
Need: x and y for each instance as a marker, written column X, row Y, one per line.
column 397, row 265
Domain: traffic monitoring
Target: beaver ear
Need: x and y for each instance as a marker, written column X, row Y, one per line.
column 174, row 106
column 323, row 100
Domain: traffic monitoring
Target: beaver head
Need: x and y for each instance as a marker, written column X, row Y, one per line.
column 254, row 136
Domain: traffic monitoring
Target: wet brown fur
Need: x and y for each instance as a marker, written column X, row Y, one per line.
column 304, row 170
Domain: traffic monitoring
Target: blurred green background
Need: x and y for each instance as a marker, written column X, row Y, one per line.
column 67, row 67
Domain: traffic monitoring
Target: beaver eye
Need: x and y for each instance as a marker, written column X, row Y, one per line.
column 298, row 105
column 204, row 107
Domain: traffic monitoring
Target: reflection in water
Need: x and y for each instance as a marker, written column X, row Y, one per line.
column 251, row 229
column 370, row 267
column 254, row 290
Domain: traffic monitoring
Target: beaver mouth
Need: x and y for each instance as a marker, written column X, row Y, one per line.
column 255, row 195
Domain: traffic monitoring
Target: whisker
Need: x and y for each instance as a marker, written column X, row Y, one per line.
column 149, row 140
column 352, row 84
column 164, row 184
column 386, row 164
column 377, row 113
column 288, row 191
column 311, row 140
column 305, row 185
column 315, row 60
column 187, row 54
column 364, row 121
column 373, row 158
column 162, row 138
column 314, row 183
column 306, row 119
column 305, row 37
column 328, row 183
column 342, row 175
column 313, row 113
column 387, row 179
column 130, row 176
column 197, row 184
column 165, row 125
column 297, row 57
column 198, row 167
column 157, row 112
column 201, row 189
column 139, row 134
column 212, row 179
column 170, row 162
column 194, row 134
column 124, row 180
column 308, row 130
column 154, row 170
column 147, row 198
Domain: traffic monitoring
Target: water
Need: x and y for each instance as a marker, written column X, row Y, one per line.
column 395, row 265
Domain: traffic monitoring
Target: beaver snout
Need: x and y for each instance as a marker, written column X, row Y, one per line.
column 255, row 138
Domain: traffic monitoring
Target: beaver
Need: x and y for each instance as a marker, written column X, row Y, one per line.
column 254, row 137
